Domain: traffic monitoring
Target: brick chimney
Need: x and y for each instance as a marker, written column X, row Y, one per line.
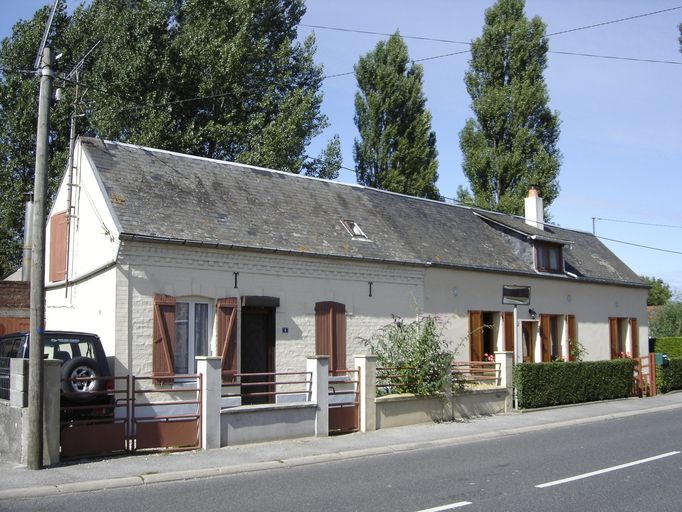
column 535, row 215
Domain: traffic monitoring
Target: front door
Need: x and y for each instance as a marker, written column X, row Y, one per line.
column 257, row 354
column 527, row 347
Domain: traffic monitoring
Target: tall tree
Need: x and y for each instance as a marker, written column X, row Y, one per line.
column 659, row 293
column 224, row 79
column 18, row 114
column 397, row 148
column 511, row 143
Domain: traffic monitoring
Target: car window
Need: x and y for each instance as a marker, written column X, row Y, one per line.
column 68, row 347
column 9, row 347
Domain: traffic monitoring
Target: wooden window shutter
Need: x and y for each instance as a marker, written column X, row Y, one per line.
column 58, row 246
column 163, row 334
column 476, row 335
column 545, row 338
column 338, row 348
column 634, row 337
column 227, row 338
column 613, row 337
column 570, row 321
column 330, row 333
column 509, row 332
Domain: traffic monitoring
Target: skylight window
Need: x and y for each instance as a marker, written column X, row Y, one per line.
column 354, row 230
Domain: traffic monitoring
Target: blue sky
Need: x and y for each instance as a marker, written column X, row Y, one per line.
column 621, row 131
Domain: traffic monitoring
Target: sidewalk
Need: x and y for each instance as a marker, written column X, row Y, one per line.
column 125, row 471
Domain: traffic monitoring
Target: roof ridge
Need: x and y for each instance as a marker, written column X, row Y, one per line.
column 285, row 173
column 324, row 180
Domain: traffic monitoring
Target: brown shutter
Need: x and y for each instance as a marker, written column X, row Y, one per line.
column 227, row 338
column 476, row 335
column 545, row 338
column 613, row 337
column 330, row 333
column 339, row 340
column 634, row 336
column 163, row 334
column 509, row 332
column 58, row 242
column 570, row 320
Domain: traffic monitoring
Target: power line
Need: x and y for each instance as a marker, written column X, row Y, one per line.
column 640, row 223
column 639, row 245
column 615, row 57
column 452, row 41
column 4, row 69
column 610, row 22
column 370, row 32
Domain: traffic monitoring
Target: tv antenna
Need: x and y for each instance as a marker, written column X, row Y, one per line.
column 46, row 34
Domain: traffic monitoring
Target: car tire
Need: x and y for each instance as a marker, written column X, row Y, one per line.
column 81, row 391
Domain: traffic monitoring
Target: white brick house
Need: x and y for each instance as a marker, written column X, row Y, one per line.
column 168, row 256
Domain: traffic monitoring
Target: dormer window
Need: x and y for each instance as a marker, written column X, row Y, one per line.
column 354, row 230
column 548, row 257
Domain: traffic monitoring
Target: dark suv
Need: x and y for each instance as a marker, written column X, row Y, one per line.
column 84, row 369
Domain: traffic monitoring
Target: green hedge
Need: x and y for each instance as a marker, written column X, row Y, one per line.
column 670, row 346
column 559, row 383
column 670, row 377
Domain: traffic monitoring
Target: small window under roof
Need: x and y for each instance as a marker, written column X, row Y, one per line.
column 355, row 230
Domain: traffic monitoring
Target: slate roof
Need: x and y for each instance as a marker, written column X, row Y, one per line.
column 159, row 195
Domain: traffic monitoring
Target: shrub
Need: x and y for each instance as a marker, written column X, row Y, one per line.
column 667, row 321
column 671, row 346
column 418, row 350
column 670, row 377
column 547, row 384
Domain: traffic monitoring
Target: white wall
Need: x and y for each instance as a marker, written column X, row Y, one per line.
column 453, row 293
column 87, row 307
column 299, row 282
column 88, row 304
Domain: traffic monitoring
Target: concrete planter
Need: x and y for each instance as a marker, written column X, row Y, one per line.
column 409, row 409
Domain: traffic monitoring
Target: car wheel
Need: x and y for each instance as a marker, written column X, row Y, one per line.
column 81, row 368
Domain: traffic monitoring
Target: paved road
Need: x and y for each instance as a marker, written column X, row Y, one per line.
column 610, row 466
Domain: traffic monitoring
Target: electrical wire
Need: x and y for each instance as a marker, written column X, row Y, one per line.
column 639, row 245
column 610, row 22
column 452, row 41
column 369, row 32
column 615, row 57
column 4, row 69
column 640, row 223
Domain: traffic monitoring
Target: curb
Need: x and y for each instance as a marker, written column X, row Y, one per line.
column 194, row 474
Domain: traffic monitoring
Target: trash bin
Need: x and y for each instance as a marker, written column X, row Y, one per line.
column 661, row 359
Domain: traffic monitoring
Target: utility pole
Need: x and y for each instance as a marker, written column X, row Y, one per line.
column 37, row 320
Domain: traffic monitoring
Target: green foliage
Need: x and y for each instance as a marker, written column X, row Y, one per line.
column 576, row 350
column 672, row 346
column 659, row 293
column 548, row 384
column 18, row 114
column 669, row 378
column 511, row 143
column 666, row 320
column 226, row 80
column 417, row 352
column 397, row 148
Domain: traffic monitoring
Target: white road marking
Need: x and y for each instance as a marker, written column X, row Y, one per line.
column 606, row 470
column 446, row 507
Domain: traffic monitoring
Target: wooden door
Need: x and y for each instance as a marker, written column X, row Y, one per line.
column 257, row 354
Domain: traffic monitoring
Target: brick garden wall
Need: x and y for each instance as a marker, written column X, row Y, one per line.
column 14, row 306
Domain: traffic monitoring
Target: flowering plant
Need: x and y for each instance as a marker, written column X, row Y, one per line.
column 489, row 358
